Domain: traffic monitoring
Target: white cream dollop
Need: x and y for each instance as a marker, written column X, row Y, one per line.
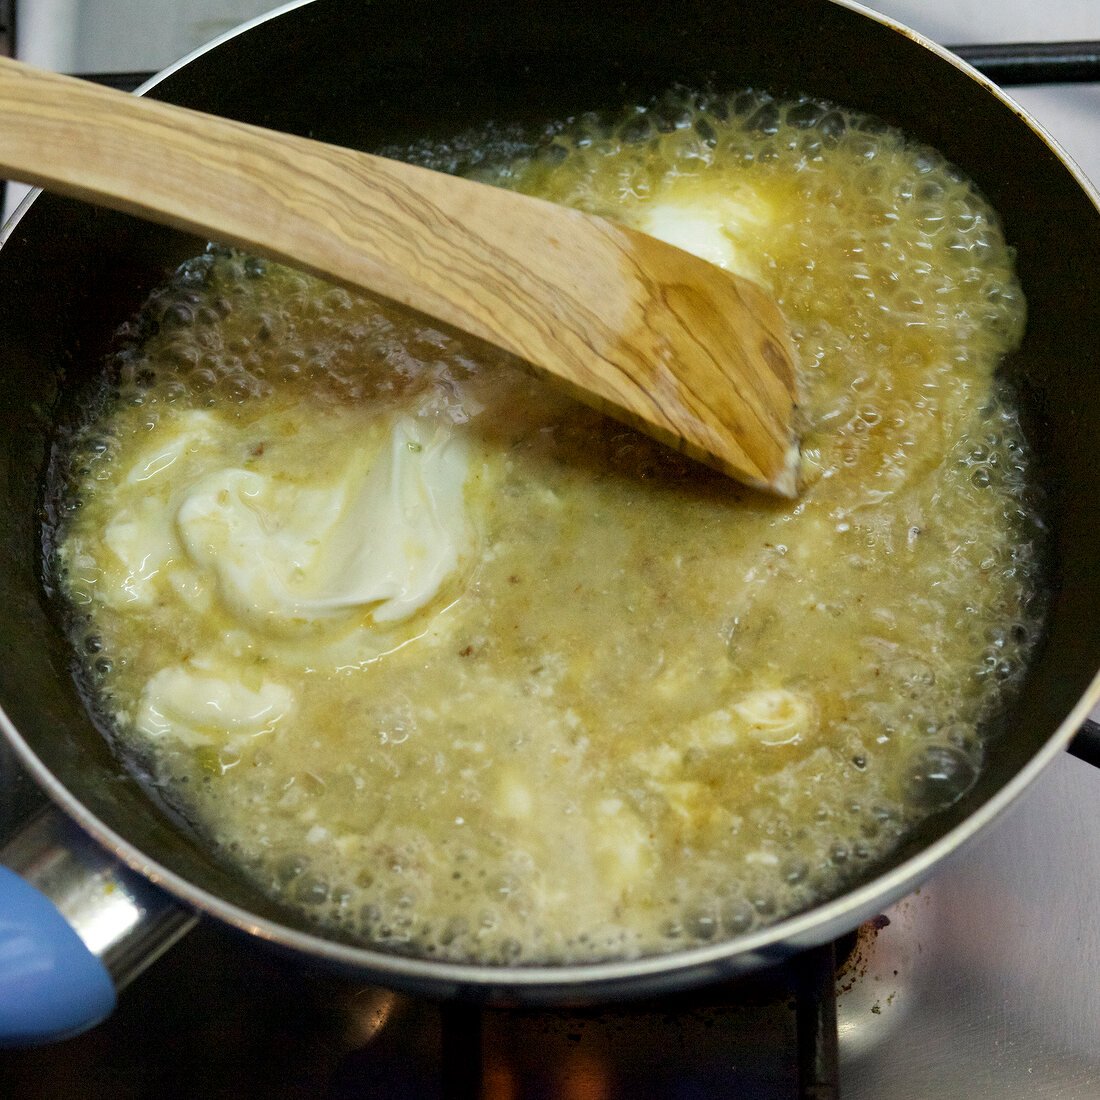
column 286, row 539
column 384, row 535
column 201, row 709
column 140, row 534
column 776, row 716
column 710, row 222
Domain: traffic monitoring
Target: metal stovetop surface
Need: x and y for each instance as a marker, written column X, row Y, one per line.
column 985, row 982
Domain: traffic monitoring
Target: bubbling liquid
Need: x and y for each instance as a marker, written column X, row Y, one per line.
column 638, row 707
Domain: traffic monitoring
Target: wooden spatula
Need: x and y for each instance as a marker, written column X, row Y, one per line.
column 668, row 343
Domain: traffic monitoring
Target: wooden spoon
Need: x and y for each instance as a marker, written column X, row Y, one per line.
column 670, row 344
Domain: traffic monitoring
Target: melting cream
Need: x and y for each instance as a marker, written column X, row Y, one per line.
column 716, row 223
column 280, row 542
column 384, row 535
column 200, row 708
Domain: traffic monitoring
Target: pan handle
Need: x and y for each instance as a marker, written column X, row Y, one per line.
column 1086, row 743
column 76, row 925
column 1020, row 63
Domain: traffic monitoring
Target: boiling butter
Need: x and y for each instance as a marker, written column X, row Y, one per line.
column 654, row 714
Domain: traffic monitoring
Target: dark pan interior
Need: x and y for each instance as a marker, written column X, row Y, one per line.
column 371, row 74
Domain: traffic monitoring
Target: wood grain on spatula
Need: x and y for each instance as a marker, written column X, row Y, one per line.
column 668, row 343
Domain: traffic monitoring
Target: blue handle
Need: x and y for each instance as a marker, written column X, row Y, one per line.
column 51, row 985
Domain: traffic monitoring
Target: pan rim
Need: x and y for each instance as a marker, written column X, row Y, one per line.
column 808, row 928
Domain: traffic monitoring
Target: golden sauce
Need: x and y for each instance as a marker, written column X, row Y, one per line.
column 642, row 707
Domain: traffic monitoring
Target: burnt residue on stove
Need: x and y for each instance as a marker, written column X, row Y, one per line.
column 854, row 952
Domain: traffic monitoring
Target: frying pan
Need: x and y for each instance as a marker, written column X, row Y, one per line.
column 372, row 75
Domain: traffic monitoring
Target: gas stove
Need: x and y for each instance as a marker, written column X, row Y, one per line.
column 982, row 984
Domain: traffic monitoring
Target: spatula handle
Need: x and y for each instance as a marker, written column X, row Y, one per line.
column 641, row 330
